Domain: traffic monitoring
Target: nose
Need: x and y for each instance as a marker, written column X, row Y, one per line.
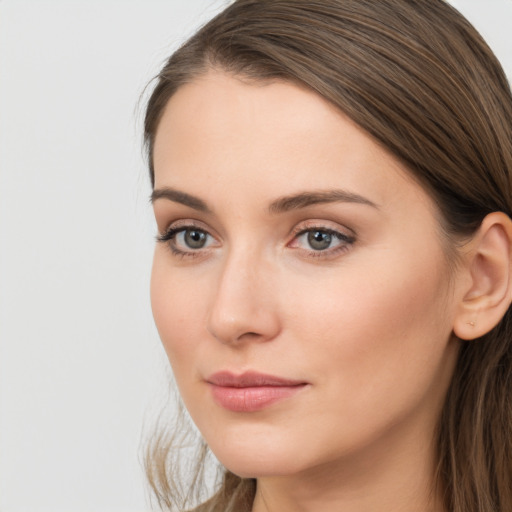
column 244, row 305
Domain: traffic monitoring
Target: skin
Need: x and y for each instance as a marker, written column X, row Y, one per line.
column 366, row 323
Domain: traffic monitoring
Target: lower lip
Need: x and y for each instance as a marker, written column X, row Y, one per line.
column 251, row 399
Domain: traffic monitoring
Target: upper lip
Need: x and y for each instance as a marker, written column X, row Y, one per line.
column 250, row 379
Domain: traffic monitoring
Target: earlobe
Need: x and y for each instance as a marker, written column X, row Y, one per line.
column 489, row 264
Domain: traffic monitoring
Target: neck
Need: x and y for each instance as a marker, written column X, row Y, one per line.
column 398, row 475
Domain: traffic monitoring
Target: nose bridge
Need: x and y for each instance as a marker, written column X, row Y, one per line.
column 243, row 303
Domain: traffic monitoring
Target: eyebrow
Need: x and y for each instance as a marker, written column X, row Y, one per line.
column 305, row 199
column 179, row 197
column 280, row 205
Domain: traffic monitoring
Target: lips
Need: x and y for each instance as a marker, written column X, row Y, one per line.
column 251, row 391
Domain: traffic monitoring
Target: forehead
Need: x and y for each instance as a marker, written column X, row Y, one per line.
column 219, row 131
column 217, row 104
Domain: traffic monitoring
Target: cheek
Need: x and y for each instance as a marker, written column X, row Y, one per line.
column 176, row 306
column 379, row 330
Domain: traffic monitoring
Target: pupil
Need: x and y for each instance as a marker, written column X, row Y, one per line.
column 319, row 240
column 195, row 239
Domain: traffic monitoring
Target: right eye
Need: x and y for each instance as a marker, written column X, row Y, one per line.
column 187, row 240
column 192, row 238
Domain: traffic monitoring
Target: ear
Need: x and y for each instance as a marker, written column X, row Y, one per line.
column 488, row 290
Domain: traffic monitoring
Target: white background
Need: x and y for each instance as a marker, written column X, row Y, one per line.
column 81, row 368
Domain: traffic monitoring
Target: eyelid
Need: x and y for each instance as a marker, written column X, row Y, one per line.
column 322, row 225
column 186, row 223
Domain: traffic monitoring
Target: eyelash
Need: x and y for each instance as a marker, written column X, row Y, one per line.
column 345, row 241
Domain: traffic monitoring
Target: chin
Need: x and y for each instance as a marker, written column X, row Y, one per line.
column 249, row 458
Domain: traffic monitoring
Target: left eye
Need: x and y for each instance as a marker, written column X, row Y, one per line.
column 320, row 239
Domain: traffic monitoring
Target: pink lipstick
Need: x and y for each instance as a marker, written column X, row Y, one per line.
column 250, row 391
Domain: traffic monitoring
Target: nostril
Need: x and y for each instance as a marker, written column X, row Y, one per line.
column 250, row 335
column 239, row 333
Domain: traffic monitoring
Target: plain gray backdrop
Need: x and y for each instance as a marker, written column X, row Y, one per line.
column 82, row 372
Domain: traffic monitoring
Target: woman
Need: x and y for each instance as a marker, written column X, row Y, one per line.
column 332, row 278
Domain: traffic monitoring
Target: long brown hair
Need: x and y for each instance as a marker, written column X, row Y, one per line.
column 418, row 78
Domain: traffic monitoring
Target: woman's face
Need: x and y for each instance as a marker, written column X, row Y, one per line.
column 300, row 286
